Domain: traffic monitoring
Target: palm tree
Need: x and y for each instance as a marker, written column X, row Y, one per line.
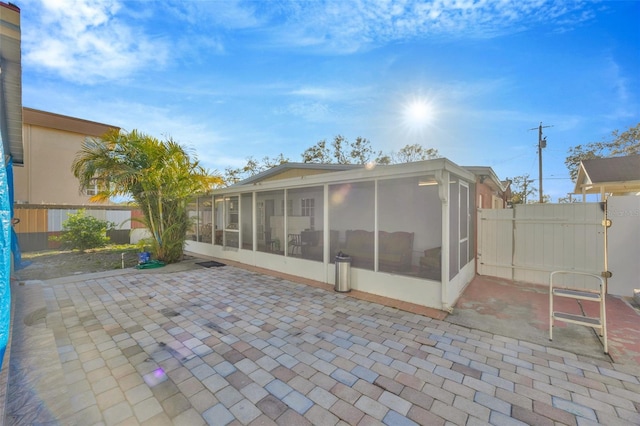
column 160, row 176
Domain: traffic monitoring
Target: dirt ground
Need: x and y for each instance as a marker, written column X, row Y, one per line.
column 51, row 264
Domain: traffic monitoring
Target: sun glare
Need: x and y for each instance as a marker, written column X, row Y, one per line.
column 418, row 114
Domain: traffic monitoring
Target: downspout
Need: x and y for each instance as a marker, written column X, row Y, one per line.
column 27, row 161
column 442, row 177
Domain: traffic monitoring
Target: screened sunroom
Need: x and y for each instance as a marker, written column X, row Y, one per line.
column 407, row 228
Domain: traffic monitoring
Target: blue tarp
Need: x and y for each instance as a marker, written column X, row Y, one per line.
column 5, row 257
column 15, row 244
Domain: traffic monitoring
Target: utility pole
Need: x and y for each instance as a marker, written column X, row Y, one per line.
column 542, row 143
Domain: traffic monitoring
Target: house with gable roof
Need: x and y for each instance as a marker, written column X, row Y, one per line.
column 408, row 229
column 609, row 176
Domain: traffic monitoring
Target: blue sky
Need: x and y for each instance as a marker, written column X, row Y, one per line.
column 233, row 79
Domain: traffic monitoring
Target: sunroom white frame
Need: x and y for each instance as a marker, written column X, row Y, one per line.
column 456, row 273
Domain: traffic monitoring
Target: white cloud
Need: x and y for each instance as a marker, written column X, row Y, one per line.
column 315, row 92
column 310, row 111
column 334, row 93
column 84, row 41
column 89, row 41
column 346, row 27
column 228, row 14
column 623, row 104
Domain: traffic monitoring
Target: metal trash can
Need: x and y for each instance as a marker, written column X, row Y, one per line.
column 343, row 273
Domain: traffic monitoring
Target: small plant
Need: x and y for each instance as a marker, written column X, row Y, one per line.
column 144, row 255
column 83, row 232
column 145, row 244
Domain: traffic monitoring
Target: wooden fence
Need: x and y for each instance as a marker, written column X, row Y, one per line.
column 38, row 223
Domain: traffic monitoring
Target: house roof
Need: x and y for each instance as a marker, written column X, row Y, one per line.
column 340, row 173
column 11, row 82
column 63, row 122
column 615, row 175
column 289, row 170
column 483, row 173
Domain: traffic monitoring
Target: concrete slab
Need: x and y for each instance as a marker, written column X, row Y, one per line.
column 521, row 311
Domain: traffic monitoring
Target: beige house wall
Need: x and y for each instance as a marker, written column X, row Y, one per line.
column 51, row 142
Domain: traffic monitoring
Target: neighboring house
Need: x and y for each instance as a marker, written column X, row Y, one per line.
column 51, row 143
column 617, row 180
column 609, row 176
column 46, row 190
column 408, row 228
column 491, row 192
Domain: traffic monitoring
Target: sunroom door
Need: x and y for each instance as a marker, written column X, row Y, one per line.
column 464, row 217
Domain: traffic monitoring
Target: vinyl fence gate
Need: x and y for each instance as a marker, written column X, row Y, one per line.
column 530, row 241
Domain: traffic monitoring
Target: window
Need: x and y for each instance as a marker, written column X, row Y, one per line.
column 305, row 235
column 192, row 214
column 409, row 227
column 289, row 207
column 307, row 206
column 205, row 230
column 460, row 231
column 351, row 216
column 231, row 212
column 271, row 232
column 218, row 219
column 464, row 217
column 92, row 188
column 246, row 220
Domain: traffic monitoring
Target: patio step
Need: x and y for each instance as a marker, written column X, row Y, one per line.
column 578, row 294
column 577, row 319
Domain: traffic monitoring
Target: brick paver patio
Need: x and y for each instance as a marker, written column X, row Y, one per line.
column 229, row 346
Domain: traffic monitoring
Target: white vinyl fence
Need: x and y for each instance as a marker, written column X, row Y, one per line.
column 624, row 244
column 530, row 241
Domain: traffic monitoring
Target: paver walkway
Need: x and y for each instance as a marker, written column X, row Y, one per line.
column 230, row 346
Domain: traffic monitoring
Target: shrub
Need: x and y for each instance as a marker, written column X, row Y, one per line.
column 83, row 232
